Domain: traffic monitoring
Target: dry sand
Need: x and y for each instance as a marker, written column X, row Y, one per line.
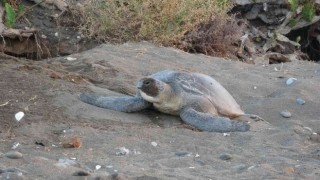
column 47, row 92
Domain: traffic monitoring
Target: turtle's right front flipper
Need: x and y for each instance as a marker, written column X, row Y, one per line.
column 121, row 103
column 212, row 123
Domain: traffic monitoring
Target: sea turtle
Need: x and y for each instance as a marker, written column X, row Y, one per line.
column 198, row 99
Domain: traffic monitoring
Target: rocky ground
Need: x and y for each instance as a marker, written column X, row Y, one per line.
column 150, row 145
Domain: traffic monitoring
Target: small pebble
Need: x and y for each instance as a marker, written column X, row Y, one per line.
column 285, row 114
column 290, row 81
column 300, row 101
column 56, row 34
column 154, row 144
column 239, row 168
column 315, row 138
column 182, row 153
column 13, row 155
column 225, row 157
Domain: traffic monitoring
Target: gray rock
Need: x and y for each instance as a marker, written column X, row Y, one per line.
column 183, row 153
column 290, row 81
column 300, row 101
column 239, row 168
column 13, row 155
column 285, row 114
column 225, row 157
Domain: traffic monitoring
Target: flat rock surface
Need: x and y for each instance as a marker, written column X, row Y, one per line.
column 47, row 92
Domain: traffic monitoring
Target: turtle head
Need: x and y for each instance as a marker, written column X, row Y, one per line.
column 151, row 89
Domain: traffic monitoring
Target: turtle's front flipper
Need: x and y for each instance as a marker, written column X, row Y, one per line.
column 212, row 123
column 122, row 103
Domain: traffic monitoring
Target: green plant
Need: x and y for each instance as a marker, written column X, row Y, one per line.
column 10, row 15
column 294, row 4
column 308, row 11
column 292, row 23
column 13, row 8
column 21, row 8
column 223, row 3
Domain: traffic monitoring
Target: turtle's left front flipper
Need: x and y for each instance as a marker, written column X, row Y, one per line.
column 121, row 103
column 212, row 123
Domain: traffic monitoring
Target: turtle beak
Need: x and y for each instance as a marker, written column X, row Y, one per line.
column 139, row 85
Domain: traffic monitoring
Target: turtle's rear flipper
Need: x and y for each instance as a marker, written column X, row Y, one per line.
column 212, row 123
column 122, row 103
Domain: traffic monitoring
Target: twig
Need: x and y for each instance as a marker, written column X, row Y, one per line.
column 4, row 104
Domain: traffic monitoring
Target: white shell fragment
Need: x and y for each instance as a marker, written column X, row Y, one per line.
column 290, row 81
column 98, row 167
column 154, row 144
column 15, row 145
column 226, row 134
column 71, row 58
column 19, row 115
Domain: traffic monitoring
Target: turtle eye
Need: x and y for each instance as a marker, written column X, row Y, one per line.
column 147, row 82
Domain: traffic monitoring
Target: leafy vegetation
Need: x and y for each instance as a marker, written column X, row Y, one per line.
column 12, row 8
column 292, row 23
column 308, row 8
column 223, row 3
column 294, row 4
column 308, row 11
column 10, row 15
